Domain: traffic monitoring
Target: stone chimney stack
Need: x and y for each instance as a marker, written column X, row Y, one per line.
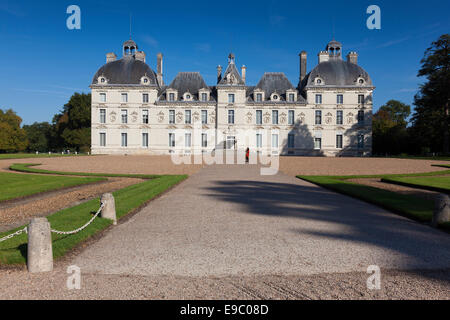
column 352, row 57
column 324, row 56
column 243, row 72
column 159, row 68
column 140, row 55
column 110, row 57
column 303, row 57
column 219, row 73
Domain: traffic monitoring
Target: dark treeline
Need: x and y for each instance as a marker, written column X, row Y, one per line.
column 70, row 129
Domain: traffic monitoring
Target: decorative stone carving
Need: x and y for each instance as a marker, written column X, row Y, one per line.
column 266, row 117
column 160, row 116
column 212, row 117
column 134, row 116
column 112, row 116
column 350, row 117
column 301, row 117
column 230, row 78
column 196, row 116
column 328, row 118
column 179, row 116
column 249, row 117
column 283, row 118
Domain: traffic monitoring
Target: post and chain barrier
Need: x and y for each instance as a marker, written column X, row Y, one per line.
column 12, row 235
column 82, row 227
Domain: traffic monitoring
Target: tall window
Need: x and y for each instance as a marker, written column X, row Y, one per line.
column 187, row 116
column 145, row 116
column 171, row 116
column 361, row 117
column 340, row 99
column 172, row 96
column 258, row 116
column 258, row 140
column 274, row 116
column 102, row 115
column 204, row 116
column 291, row 97
column 360, row 141
column 317, row 143
column 291, row 117
column 361, row 99
column 102, row 139
column 291, row 141
column 231, row 98
column 318, row 117
column 145, row 97
column 339, row 141
column 204, row 140
column 102, row 97
column 145, row 140
column 231, row 116
column 187, row 140
column 124, row 97
column 204, row 97
column 124, row 116
column 171, row 139
column 318, row 99
column 339, row 117
column 259, row 97
column 124, row 140
column 275, row 140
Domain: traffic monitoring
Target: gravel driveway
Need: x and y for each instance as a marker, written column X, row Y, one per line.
column 228, row 232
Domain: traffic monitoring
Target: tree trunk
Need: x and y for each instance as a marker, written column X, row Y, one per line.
column 446, row 129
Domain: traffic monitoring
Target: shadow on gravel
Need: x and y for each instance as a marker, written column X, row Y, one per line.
column 364, row 223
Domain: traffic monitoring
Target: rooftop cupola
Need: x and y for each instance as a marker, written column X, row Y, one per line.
column 129, row 48
column 334, row 49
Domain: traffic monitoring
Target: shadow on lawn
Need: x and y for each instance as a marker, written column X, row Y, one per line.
column 364, row 223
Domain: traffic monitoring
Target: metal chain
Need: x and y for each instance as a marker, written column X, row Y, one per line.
column 18, row 232
column 82, row 227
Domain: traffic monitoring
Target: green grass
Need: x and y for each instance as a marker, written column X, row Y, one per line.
column 415, row 208
column 14, row 185
column 14, row 251
column 28, row 167
column 439, row 184
column 438, row 158
column 33, row 155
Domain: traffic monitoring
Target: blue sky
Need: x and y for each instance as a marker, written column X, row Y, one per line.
column 43, row 63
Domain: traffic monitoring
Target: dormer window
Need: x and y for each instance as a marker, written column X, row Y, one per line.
column 360, row 81
column 204, row 97
column 291, row 95
column 187, row 96
column 258, row 95
column 171, row 96
column 319, row 81
column 274, row 97
column 102, row 80
column 145, row 80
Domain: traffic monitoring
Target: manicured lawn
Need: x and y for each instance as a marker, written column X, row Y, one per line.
column 28, row 167
column 14, row 251
column 439, row 184
column 33, row 155
column 14, row 185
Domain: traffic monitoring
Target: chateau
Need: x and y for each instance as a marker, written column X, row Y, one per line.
column 327, row 113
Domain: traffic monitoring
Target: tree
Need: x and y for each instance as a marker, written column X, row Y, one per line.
column 431, row 117
column 39, row 135
column 12, row 137
column 389, row 128
column 72, row 125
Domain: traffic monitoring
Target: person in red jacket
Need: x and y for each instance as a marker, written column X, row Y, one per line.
column 247, row 155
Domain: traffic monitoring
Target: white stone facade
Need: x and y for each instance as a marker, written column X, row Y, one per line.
column 326, row 114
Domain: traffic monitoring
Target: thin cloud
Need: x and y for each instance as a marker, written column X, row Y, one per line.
column 150, row 41
column 393, row 42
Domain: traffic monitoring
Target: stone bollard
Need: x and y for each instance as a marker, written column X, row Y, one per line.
column 40, row 252
column 109, row 210
column 441, row 211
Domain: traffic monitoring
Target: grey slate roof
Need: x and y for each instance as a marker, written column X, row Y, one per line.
column 274, row 81
column 338, row 73
column 187, row 82
column 231, row 70
column 125, row 71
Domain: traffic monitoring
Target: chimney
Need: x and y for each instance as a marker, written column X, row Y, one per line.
column 111, row 56
column 323, row 56
column 352, row 57
column 243, row 72
column 140, row 55
column 159, row 68
column 303, row 56
column 219, row 73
